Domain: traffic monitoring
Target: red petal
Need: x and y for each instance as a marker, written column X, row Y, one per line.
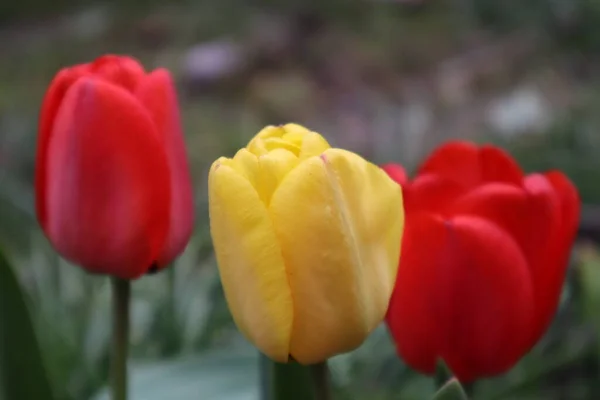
column 544, row 221
column 457, row 161
column 526, row 215
column 429, row 192
column 484, row 299
column 570, row 204
column 123, row 71
column 396, row 172
column 551, row 275
column 498, row 166
column 410, row 316
column 157, row 93
column 533, row 217
column 107, row 183
column 464, row 294
column 466, row 164
column 52, row 101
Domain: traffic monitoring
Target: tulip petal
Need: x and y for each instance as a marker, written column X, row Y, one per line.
column 258, row 145
column 431, row 192
column 464, row 294
column 529, row 215
column 339, row 220
column 52, row 101
column 498, row 166
column 411, row 314
column 250, row 262
column 118, row 69
column 456, row 161
column 123, row 71
column 264, row 172
column 156, row 92
column 466, row 164
column 272, row 168
column 570, row 204
column 292, row 137
column 311, row 143
column 544, row 222
column 246, row 164
column 551, row 274
column 106, row 181
column 484, row 300
column 396, row 172
column 526, row 215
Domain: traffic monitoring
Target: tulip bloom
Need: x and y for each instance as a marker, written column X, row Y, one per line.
column 484, row 257
column 307, row 239
column 112, row 181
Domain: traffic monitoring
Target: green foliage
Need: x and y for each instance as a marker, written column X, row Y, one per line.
column 16, row 214
column 22, row 369
column 511, row 13
column 571, row 145
column 589, row 281
column 452, row 390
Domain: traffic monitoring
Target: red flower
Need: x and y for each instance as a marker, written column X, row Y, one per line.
column 112, row 181
column 484, row 256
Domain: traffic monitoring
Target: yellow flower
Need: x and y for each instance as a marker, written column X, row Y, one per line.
column 307, row 238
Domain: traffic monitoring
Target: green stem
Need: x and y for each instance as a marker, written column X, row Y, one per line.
column 321, row 380
column 120, row 340
column 169, row 328
column 292, row 381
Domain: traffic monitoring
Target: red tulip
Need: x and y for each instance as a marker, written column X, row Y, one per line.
column 484, row 256
column 112, row 181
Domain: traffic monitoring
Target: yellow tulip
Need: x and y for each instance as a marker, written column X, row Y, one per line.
column 307, row 238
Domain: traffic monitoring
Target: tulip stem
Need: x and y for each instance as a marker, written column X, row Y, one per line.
column 120, row 340
column 321, row 379
column 286, row 381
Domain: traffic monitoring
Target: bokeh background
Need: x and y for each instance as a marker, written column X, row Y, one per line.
column 388, row 79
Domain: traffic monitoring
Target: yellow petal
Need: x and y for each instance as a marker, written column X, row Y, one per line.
column 292, row 137
column 313, row 145
column 295, row 129
column 250, row 261
column 278, row 143
column 270, row 131
column 310, row 143
column 339, row 220
column 273, row 167
column 246, row 164
column 257, row 144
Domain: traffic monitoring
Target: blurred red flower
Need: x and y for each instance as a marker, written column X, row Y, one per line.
column 112, row 181
column 484, row 256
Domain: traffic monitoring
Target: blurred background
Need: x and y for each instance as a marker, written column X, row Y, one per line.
column 388, row 79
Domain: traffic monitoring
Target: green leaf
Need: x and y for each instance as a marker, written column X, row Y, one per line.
column 214, row 375
column 442, row 373
column 22, row 371
column 452, row 390
column 589, row 280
